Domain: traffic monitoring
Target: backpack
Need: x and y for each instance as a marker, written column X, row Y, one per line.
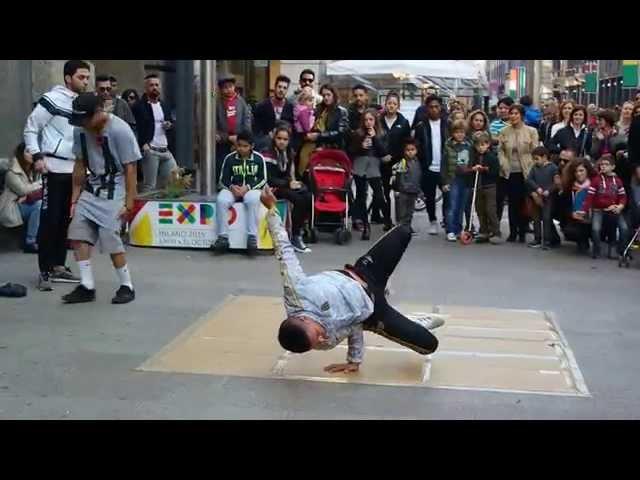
column 532, row 117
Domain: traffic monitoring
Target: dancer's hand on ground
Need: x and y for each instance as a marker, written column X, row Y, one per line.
column 267, row 198
column 342, row 368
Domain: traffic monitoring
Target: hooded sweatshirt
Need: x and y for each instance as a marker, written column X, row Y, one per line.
column 48, row 131
column 604, row 192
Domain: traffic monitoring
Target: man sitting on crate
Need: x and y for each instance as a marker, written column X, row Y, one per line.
column 324, row 309
column 244, row 173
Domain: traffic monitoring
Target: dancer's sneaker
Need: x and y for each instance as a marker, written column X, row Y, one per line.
column 428, row 321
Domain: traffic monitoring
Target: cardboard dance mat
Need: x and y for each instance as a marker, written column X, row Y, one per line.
column 480, row 349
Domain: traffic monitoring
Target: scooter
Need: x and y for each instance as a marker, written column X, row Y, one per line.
column 466, row 237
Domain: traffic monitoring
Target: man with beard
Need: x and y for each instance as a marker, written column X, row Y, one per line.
column 153, row 121
column 270, row 111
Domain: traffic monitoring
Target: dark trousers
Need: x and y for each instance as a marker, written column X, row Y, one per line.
column 431, row 180
column 301, row 206
column 517, row 193
column 405, row 206
column 385, row 171
column 501, row 195
column 486, row 210
column 375, row 267
column 605, row 224
column 543, row 223
column 54, row 220
column 360, row 203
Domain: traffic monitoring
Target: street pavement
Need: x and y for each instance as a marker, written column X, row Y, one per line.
column 77, row 361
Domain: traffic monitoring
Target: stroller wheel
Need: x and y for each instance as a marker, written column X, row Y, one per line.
column 313, row 235
column 466, row 238
column 342, row 236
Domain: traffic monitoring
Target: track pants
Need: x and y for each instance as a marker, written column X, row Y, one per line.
column 54, row 220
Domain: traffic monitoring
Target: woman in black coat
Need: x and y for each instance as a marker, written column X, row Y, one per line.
column 574, row 136
column 395, row 130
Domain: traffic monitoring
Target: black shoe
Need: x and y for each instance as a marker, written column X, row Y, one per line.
column 366, row 233
column 123, row 295
column 547, row 246
column 535, row 244
column 221, row 246
column 522, row 238
column 80, row 294
column 511, row 238
column 30, row 248
column 252, row 245
column 387, row 227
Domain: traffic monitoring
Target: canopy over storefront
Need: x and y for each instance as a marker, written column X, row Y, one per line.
column 451, row 77
column 407, row 68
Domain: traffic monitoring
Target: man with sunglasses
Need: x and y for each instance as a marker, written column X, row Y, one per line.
column 307, row 78
column 112, row 104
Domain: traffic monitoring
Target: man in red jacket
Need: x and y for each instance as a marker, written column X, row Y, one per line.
column 607, row 197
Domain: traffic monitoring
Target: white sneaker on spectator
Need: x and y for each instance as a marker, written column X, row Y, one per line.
column 451, row 237
column 433, row 229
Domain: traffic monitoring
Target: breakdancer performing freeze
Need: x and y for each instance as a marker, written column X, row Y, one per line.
column 324, row 309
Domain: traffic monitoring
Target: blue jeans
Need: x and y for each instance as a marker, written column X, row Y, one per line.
column 604, row 222
column 31, row 218
column 458, row 197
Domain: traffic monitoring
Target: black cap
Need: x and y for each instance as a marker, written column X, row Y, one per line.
column 84, row 106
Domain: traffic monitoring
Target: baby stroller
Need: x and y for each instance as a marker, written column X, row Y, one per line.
column 330, row 179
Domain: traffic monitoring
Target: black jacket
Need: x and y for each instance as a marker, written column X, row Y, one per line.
column 395, row 136
column 565, row 138
column 145, row 124
column 421, row 115
column 423, row 139
column 336, row 130
column 489, row 160
column 544, row 132
column 355, row 115
column 634, row 141
column 264, row 117
column 277, row 177
column 377, row 149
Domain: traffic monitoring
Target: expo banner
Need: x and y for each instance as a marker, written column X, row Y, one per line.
column 180, row 224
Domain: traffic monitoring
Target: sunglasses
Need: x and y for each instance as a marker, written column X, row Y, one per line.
column 307, row 80
column 104, row 89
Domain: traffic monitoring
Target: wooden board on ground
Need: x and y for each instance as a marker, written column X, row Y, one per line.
column 480, row 349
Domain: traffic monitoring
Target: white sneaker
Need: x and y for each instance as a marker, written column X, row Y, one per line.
column 451, row 237
column 433, row 230
column 430, row 322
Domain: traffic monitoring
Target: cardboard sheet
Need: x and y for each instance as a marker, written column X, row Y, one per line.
column 480, row 349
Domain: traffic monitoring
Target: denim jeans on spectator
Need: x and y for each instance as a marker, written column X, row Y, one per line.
column 31, row 217
column 599, row 219
column 457, row 201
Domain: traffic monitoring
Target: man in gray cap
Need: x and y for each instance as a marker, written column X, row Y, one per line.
column 106, row 146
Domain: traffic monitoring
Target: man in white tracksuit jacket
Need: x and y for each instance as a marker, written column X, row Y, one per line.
column 48, row 137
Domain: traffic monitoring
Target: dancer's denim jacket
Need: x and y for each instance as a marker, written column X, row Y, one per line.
column 332, row 299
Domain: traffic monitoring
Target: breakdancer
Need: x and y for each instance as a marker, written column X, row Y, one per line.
column 324, row 309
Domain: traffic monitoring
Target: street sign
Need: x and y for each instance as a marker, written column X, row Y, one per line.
column 591, row 82
column 629, row 73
